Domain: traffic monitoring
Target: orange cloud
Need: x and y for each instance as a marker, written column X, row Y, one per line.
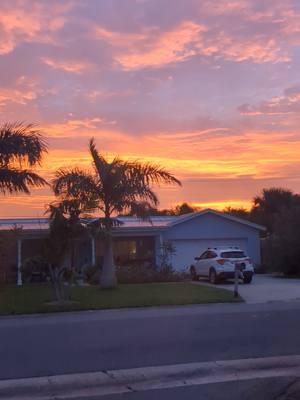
column 253, row 155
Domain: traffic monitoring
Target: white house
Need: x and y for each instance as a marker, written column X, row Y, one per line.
column 139, row 241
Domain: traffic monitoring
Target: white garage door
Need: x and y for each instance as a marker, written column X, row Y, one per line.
column 187, row 250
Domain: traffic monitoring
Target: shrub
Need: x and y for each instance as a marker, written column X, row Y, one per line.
column 142, row 274
column 35, row 268
column 136, row 273
column 91, row 274
column 284, row 244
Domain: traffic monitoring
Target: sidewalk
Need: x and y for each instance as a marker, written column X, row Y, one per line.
column 144, row 379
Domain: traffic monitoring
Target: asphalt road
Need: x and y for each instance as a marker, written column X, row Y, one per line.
column 84, row 342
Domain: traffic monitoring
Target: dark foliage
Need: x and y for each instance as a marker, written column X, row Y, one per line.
column 283, row 245
column 21, row 148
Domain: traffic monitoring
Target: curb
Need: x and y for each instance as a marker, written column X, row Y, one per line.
column 147, row 378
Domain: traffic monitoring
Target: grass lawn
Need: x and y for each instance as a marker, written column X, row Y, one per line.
column 34, row 298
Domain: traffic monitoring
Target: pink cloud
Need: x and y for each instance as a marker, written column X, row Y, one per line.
column 76, row 67
column 155, row 48
column 24, row 91
column 288, row 103
column 35, row 23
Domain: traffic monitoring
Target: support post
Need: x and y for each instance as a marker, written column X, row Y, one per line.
column 19, row 263
column 236, row 281
column 93, row 250
column 161, row 243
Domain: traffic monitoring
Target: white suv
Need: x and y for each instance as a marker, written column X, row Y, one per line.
column 219, row 263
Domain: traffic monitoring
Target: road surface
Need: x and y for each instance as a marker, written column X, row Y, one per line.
column 101, row 340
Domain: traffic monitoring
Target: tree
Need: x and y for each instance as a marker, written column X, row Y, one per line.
column 269, row 204
column 115, row 187
column 54, row 252
column 284, row 243
column 239, row 212
column 21, row 148
column 66, row 226
column 180, row 209
column 184, row 208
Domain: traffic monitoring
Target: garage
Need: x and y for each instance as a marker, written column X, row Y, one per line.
column 187, row 250
column 192, row 234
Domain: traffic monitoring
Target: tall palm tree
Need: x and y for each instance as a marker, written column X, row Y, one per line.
column 21, row 148
column 113, row 187
column 65, row 228
column 269, row 204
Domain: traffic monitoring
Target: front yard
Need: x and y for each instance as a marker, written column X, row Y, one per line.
column 35, row 298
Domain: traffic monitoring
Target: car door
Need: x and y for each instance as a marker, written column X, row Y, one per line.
column 209, row 261
column 200, row 264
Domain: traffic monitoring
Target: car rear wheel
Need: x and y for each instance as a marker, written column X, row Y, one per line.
column 195, row 277
column 213, row 276
column 248, row 279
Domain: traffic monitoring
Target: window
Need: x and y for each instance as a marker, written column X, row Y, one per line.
column 233, row 254
column 211, row 254
column 203, row 255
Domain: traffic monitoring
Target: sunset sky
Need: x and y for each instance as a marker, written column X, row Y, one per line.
column 210, row 89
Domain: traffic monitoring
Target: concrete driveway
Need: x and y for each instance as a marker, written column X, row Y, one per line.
column 265, row 288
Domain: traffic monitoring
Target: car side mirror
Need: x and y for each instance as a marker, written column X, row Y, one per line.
column 197, row 258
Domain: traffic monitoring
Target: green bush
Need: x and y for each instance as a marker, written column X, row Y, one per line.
column 141, row 274
column 91, row 274
column 35, row 267
column 284, row 244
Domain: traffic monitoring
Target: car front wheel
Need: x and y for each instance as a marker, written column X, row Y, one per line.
column 195, row 277
column 212, row 276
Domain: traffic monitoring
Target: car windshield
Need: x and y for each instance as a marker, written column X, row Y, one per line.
column 233, row 254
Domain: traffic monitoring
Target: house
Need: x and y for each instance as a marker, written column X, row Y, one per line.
column 141, row 241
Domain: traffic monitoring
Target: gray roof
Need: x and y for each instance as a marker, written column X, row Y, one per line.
column 42, row 224
column 28, row 224
column 134, row 223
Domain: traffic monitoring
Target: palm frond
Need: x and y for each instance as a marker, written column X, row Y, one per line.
column 22, row 143
column 14, row 180
column 76, row 190
column 151, row 173
column 99, row 162
column 74, row 208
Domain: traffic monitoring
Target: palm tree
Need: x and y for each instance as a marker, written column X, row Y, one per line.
column 270, row 204
column 113, row 187
column 65, row 228
column 21, row 148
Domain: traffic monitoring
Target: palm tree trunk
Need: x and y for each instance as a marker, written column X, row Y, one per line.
column 108, row 277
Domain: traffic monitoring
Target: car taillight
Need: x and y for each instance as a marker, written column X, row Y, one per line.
column 221, row 261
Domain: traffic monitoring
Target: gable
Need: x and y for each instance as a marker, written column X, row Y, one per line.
column 209, row 225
